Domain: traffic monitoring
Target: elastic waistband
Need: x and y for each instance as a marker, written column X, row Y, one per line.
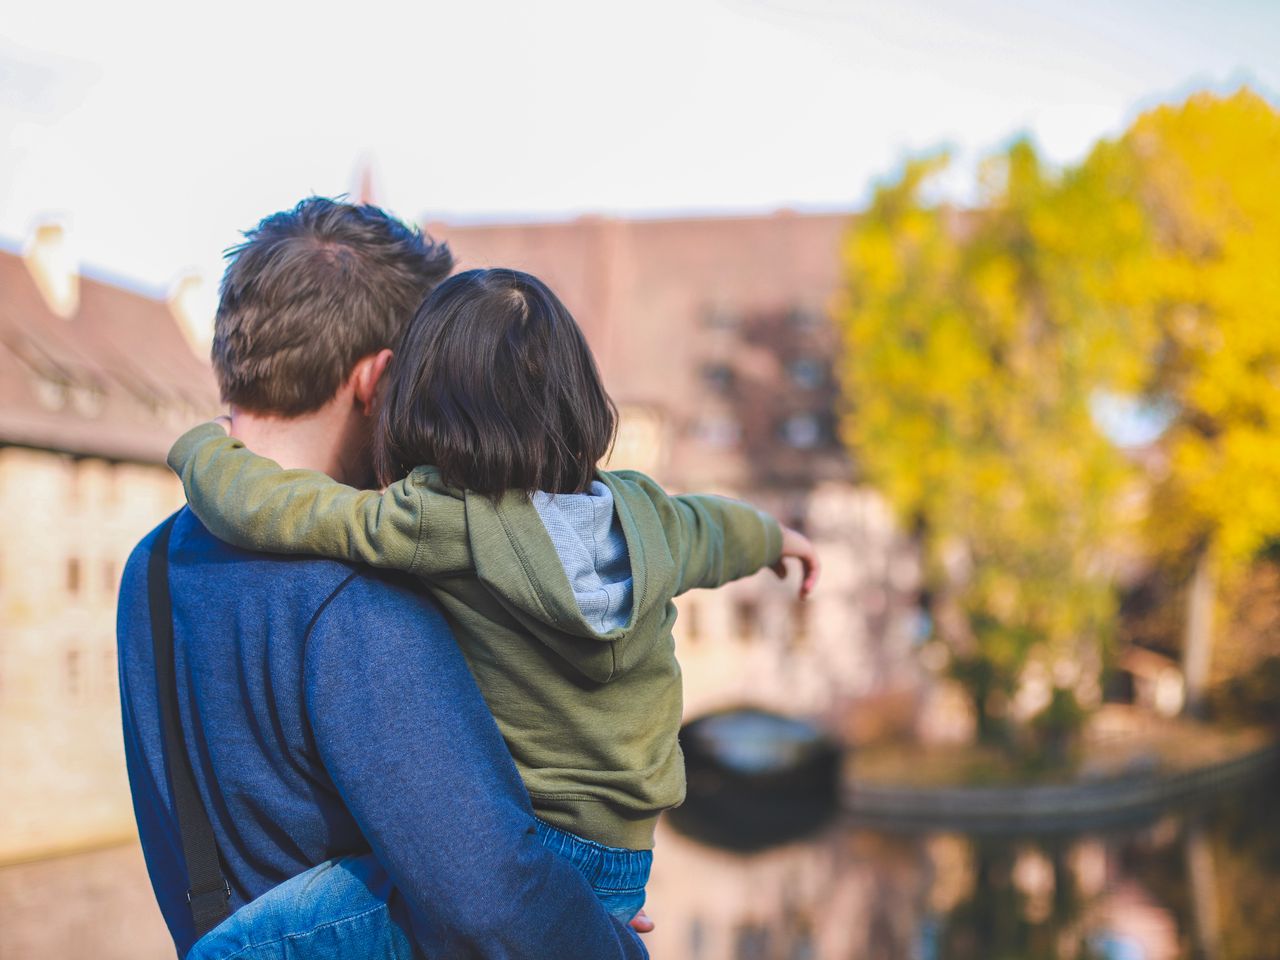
column 607, row 869
column 597, row 821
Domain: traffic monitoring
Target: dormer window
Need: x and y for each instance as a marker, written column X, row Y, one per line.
column 720, row 432
column 87, row 401
column 720, row 317
column 802, row 431
column 807, row 373
column 50, row 393
column 805, row 318
column 718, row 376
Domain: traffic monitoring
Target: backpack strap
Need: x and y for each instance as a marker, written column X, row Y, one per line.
column 208, row 892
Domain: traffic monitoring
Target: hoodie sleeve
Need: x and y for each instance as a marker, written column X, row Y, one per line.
column 719, row 540
column 251, row 502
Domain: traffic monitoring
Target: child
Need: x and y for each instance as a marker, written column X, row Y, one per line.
column 556, row 577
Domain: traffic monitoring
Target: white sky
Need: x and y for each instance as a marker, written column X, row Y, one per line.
column 157, row 131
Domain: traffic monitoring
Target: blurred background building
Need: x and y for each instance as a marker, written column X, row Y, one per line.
column 95, row 380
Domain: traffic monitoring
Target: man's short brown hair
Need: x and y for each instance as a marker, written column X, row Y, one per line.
column 310, row 292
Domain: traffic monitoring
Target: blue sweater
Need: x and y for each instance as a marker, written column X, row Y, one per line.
column 327, row 712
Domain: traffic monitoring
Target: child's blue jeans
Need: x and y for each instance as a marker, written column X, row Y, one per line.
column 616, row 875
column 338, row 910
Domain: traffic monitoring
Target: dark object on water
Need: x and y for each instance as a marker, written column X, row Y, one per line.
column 756, row 778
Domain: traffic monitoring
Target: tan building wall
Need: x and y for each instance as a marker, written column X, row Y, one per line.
column 851, row 642
column 95, row 381
column 67, row 526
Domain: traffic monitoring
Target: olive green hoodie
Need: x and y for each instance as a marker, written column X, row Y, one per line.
column 591, row 718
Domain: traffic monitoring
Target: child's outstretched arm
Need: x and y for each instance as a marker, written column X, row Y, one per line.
column 722, row 540
column 250, row 501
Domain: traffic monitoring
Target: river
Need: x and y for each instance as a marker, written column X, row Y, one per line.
column 1199, row 881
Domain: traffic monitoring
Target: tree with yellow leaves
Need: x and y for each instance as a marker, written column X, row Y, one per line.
column 970, row 366
column 983, row 348
column 1199, row 187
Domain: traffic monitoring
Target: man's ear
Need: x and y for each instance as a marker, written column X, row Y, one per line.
column 364, row 379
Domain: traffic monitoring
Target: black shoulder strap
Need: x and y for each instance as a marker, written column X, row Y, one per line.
column 208, row 892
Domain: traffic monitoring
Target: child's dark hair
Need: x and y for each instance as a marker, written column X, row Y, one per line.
column 493, row 384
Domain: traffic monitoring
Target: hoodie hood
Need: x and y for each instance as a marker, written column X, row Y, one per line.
column 571, row 568
column 587, row 536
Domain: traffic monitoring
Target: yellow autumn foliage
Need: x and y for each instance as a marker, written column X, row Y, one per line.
column 979, row 344
column 1206, row 288
column 969, row 370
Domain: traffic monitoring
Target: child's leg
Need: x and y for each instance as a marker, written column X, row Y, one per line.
column 617, row 876
column 335, row 910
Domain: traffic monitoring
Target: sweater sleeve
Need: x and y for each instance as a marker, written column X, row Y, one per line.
column 402, row 730
column 718, row 540
column 251, row 502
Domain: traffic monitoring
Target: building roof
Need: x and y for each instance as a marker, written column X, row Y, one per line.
column 635, row 284
column 115, row 379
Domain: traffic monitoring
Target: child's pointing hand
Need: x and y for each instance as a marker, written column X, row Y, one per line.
column 796, row 544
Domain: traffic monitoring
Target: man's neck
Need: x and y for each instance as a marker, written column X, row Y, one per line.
column 329, row 440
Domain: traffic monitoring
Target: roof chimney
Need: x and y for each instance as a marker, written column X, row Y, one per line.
column 54, row 267
column 190, row 304
column 366, row 188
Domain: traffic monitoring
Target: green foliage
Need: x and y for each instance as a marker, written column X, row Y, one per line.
column 1251, row 698
column 1055, row 727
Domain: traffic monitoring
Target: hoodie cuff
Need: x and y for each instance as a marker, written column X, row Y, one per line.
column 186, row 446
column 772, row 540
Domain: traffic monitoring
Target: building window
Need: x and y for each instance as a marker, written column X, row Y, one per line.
column 110, row 576
column 746, row 616
column 807, row 373
column 73, row 575
column 720, row 432
column 73, row 671
column 692, row 628
column 802, row 431
column 718, row 376
column 799, row 624
column 805, row 318
column 640, row 441
column 720, row 317
column 798, row 520
column 87, row 400
column 50, row 393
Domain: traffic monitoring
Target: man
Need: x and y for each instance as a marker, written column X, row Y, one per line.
column 325, row 708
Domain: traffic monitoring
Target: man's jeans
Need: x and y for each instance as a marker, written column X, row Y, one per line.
column 335, row 911
column 338, row 910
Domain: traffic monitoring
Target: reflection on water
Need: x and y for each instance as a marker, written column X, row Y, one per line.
column 1200, row 882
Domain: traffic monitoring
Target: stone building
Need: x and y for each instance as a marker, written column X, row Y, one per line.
column 714, row 337
column 95, row 381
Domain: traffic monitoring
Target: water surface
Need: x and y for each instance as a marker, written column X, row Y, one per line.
column 1201, row 880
